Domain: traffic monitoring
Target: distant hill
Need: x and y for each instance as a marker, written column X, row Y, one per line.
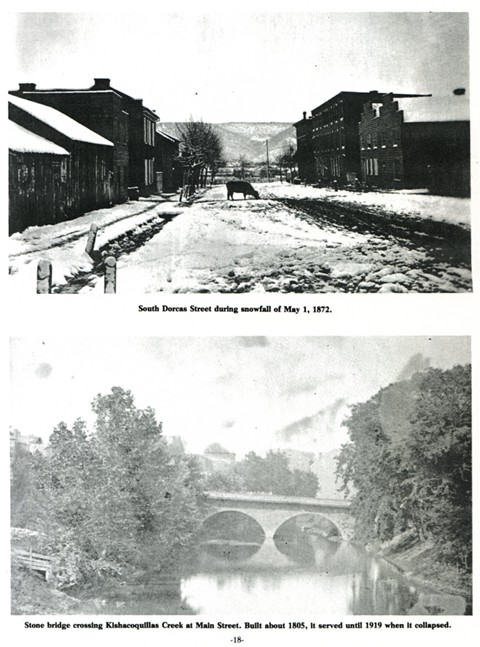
column 248, row 138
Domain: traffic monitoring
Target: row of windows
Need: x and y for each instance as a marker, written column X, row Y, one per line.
column 370, row 166
column 381, row 138
column 328, row 141
column 317, row 125
column 329, row 167
column 328, row 115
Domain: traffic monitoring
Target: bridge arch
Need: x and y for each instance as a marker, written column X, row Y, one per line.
column 329, row 518
column 310, row 523
column 231, row 534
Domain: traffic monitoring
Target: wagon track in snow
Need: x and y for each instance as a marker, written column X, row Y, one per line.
column 445, row 242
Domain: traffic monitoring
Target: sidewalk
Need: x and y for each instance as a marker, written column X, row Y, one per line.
column 64, row 243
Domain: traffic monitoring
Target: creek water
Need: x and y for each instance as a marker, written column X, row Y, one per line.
column 305, row 577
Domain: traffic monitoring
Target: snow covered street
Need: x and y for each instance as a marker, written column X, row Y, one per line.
column 293, row 239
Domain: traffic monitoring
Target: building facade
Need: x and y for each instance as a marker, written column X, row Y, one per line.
column 416, row 142
column 335, row 140
column 305, row 157
column 118, row 117
column 45, row 190
column 99, row 109
column 167, row 167
column 37, row 173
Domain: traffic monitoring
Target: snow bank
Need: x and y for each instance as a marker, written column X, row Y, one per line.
column 416, row 205
column 64, row 243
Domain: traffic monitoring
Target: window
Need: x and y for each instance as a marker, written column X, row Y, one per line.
column 148, row 172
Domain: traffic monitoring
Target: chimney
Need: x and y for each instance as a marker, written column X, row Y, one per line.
column 304, row 115
column 101, row 84
column 459, row 92
column 27, row 87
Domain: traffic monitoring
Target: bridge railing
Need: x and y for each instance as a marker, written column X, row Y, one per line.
column 33, row 561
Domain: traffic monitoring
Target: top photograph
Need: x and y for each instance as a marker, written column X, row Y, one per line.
column 239, row 153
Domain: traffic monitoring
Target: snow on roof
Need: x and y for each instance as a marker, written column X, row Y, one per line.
column 59, row 121
column 436, row 108
column 22, row 140
column 171, row 138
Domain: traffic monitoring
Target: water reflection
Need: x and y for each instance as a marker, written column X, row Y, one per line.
column 291, row 573
column 303, row 574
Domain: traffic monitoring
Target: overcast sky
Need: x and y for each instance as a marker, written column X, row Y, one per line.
column 245, row 66
column 239, row 391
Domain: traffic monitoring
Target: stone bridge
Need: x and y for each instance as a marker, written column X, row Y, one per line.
column 271, row 511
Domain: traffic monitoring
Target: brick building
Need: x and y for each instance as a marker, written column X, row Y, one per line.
column 305, row 158
column 328, row 142
column 118, row 117
column 335, row 141
column 421, row 142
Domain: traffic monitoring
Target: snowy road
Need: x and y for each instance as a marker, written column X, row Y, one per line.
column 280, row 244
column 293, row 239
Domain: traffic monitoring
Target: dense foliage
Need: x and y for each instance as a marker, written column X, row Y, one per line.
column 111, row 499
column 409, row 462
column 271, row 474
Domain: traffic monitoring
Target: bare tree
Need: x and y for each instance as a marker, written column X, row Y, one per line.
column 288, row 160
column 200, row 152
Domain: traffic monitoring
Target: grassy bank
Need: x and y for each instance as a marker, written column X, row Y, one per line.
column 421, row 562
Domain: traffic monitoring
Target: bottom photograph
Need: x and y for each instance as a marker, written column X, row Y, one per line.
column 268, row 476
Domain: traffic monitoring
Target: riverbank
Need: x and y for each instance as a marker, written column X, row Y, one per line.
column 419, row 562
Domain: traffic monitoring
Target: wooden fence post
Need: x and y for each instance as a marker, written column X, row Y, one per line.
column 110, row 264
column 92, row 236
column 44, row 276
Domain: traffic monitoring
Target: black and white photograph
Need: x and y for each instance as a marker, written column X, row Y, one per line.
column 262, row 479
column 243, row 152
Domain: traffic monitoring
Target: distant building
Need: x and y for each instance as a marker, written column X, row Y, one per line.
column 305, row 157
column 175, row 448
column 29, row 443
column 299, row 460
column 168, row 174
column 422, row 142
column 217, row 460
column 58, row 168
column 324, row 468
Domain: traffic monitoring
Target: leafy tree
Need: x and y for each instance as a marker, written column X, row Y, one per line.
column 409, row 460
column 25, row 501
column 116, row 498
column 272, row 474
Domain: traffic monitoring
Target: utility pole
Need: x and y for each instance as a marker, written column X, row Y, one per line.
column 268, row 167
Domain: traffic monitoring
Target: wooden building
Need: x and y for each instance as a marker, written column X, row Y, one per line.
column 37, row 179
column 166, row 164
column 102, row 111
column 413, row 143
column 80, row 181
column 118, row 117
